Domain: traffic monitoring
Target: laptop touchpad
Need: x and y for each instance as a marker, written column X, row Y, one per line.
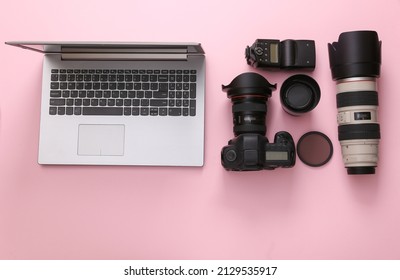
column 101, row 140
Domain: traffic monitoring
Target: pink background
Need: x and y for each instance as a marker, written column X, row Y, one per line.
column 56, row 212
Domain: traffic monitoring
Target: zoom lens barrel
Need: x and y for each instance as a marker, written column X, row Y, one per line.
column 355, row 64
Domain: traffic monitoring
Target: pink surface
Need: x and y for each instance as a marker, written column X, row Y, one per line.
column 53, row 212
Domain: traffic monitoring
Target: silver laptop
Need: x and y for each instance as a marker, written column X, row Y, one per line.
column 121, row 103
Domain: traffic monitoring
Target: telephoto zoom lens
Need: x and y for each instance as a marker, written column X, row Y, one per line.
column 355, row 62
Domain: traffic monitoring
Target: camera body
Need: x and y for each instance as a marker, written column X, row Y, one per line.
column 250, row 149
column 249, row 152
column 287, row 54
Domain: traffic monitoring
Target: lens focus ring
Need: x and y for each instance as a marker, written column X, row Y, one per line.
column 359, row 131
column 249, row 106
column 356, row 98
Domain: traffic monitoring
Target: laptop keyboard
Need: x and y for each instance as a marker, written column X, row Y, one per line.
column 123, row 92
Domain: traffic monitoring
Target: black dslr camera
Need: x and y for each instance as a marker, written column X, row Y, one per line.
column 250, row 149
column 287, row 54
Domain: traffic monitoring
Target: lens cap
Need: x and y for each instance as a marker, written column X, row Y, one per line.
column 299, row 94
column 314, row 148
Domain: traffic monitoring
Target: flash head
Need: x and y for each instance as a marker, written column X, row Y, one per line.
column 287, row 54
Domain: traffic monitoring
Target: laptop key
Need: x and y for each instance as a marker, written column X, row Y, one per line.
column 70, row 102
column 90, row 94
column 102, row 111
column 160, row 94
column 174, row 112
column 71, row 78
column 78, row 102
column 135, row 102
column 96, row 86
column 86, row 102
column 69, row 111
column 55, row 93
column 163, row 78
column 144, row 111
column 61, row 111
column 129, row 86
column 119, row 102
column 140, row 94
column 144, row 102
column 127, row 111
column 127, row 102
column 71, row 85
column 135, row 111
column 192, row 90
column 192, row 108
column 153, row 111
column 65, row 93
column 158, row 102
column 54, row 77
column 53, row 111
column 77, row 111
column 94, row 102
column 131, row 94
column 57, row 102
column 163, row 87
column 162, row 111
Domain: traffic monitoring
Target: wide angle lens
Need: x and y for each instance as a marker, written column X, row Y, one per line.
column 249, row 93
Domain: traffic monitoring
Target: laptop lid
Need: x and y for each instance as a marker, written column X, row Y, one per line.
column 113, row 50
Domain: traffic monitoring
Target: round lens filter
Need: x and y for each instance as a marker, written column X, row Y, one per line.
column 314, row 148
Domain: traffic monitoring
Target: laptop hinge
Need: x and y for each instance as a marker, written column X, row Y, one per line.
column 123, row 56
column 131, row 53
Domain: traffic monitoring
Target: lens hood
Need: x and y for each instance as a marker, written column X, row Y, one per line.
column 299, row 94
column 249, row 84
column 356, row 54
